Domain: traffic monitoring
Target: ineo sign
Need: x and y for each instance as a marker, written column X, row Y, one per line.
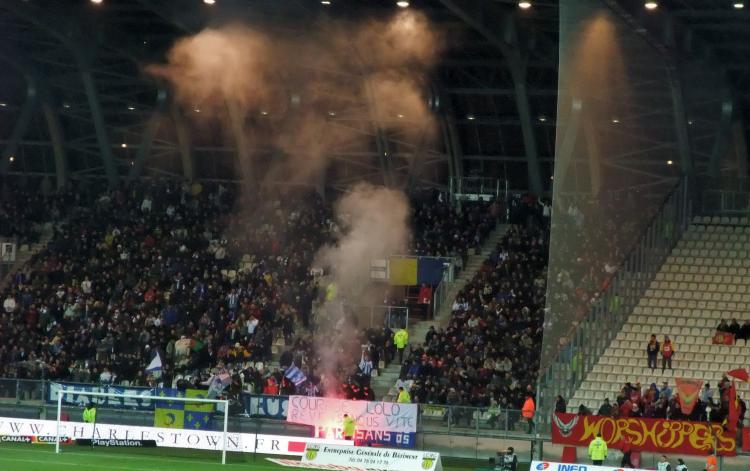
column 552, row 466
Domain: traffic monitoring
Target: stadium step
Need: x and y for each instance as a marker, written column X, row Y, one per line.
column 700, row 283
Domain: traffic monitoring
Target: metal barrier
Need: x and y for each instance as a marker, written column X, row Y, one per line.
column 433, row 419
column 584, row 345
column 395, row 317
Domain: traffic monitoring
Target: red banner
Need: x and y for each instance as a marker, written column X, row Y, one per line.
column 723, row 338
column 746, row 438
column 687, row 393
column 649, row 435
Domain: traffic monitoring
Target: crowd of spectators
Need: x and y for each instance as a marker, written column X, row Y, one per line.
column 488, row 355
column 660, row 402
column 206, row 276
column 740, row 332
column 593, row 235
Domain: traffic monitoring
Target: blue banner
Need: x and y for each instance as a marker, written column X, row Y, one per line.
column 266, row 407
column 73, row 395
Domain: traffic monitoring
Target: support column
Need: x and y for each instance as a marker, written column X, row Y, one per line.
column 108, row 159
column 58, row 142
column 239, row 130
column 723, row 134
column 149, row 133
column 594, row 156
column 20, row 128
column 183, row 143
column 564, row 152
column 680, row 124
column 527, row 128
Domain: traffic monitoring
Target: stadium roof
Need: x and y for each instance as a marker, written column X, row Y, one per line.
column 76, row 101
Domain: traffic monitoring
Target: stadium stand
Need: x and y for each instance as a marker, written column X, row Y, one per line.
column 171, row 267
column 489, row 352
column 703, row 281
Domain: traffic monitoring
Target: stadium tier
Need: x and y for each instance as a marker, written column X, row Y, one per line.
column 702, row 283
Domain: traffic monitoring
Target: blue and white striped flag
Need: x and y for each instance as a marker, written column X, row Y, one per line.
column 295, row 375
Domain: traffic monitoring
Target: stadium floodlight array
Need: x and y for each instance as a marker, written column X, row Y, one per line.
column 225, row 402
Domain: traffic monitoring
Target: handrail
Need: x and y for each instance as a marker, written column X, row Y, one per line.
column 593, row 334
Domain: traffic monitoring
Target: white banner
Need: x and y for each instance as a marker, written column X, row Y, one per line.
column 552, row 466
column 374, row 416
column 165, row 437
column 371, row 459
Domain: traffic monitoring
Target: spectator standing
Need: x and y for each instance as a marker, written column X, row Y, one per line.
column 652, row 350
column 598, row 450
column 667, row 352
column 403, row 396
column 560, row 405
column 528, row 411
column 663, row 464
column 606, row 408
column 681, row 466
column 711, row 463
column 400, row 339
column 626, row 447
column 348, row 426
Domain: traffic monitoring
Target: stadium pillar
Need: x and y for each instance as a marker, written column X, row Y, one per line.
column 58, row 142
column 183, row 143
column 680, row 124
column 518, row 72
column 21, row 126
column 723, row 135
column 108, row 159
column 566, row 145
column 594, row 155
column 149, row 133
column 450, row 136
column 239, row 131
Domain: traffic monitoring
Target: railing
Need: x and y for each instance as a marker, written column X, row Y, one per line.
column 477, row 188
column 724, row 197
column 433, row 419
column 588, row 341
column 395, row 317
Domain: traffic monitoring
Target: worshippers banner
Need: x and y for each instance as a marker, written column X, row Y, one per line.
column 687, row 392
column 648, row 435
column 378, row 423
column 180, row 414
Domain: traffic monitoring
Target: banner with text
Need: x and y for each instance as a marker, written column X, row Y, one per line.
column 384, row 459
column 164, row 437
column 552, row 466
column 381, row 423
column 650, row 435
column 266, row 407
column 74, row 395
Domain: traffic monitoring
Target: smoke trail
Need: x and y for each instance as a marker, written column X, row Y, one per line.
column 375, row 225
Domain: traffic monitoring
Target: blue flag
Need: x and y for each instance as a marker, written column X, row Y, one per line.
column 295, row 375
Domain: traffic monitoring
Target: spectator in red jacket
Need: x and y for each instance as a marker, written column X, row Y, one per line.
column 667, row 352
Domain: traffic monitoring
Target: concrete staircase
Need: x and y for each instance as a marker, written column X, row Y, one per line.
column 384, row 386
column 418, row 330
column 26, row 252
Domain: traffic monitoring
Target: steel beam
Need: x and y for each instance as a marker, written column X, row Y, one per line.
column 183, row 143
column 723, row 135
column 470, row 12
column 149, row 133
column 108, row 159
column 57, row 140
column 567, row 145
column 20, row 128
column 681, row 125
